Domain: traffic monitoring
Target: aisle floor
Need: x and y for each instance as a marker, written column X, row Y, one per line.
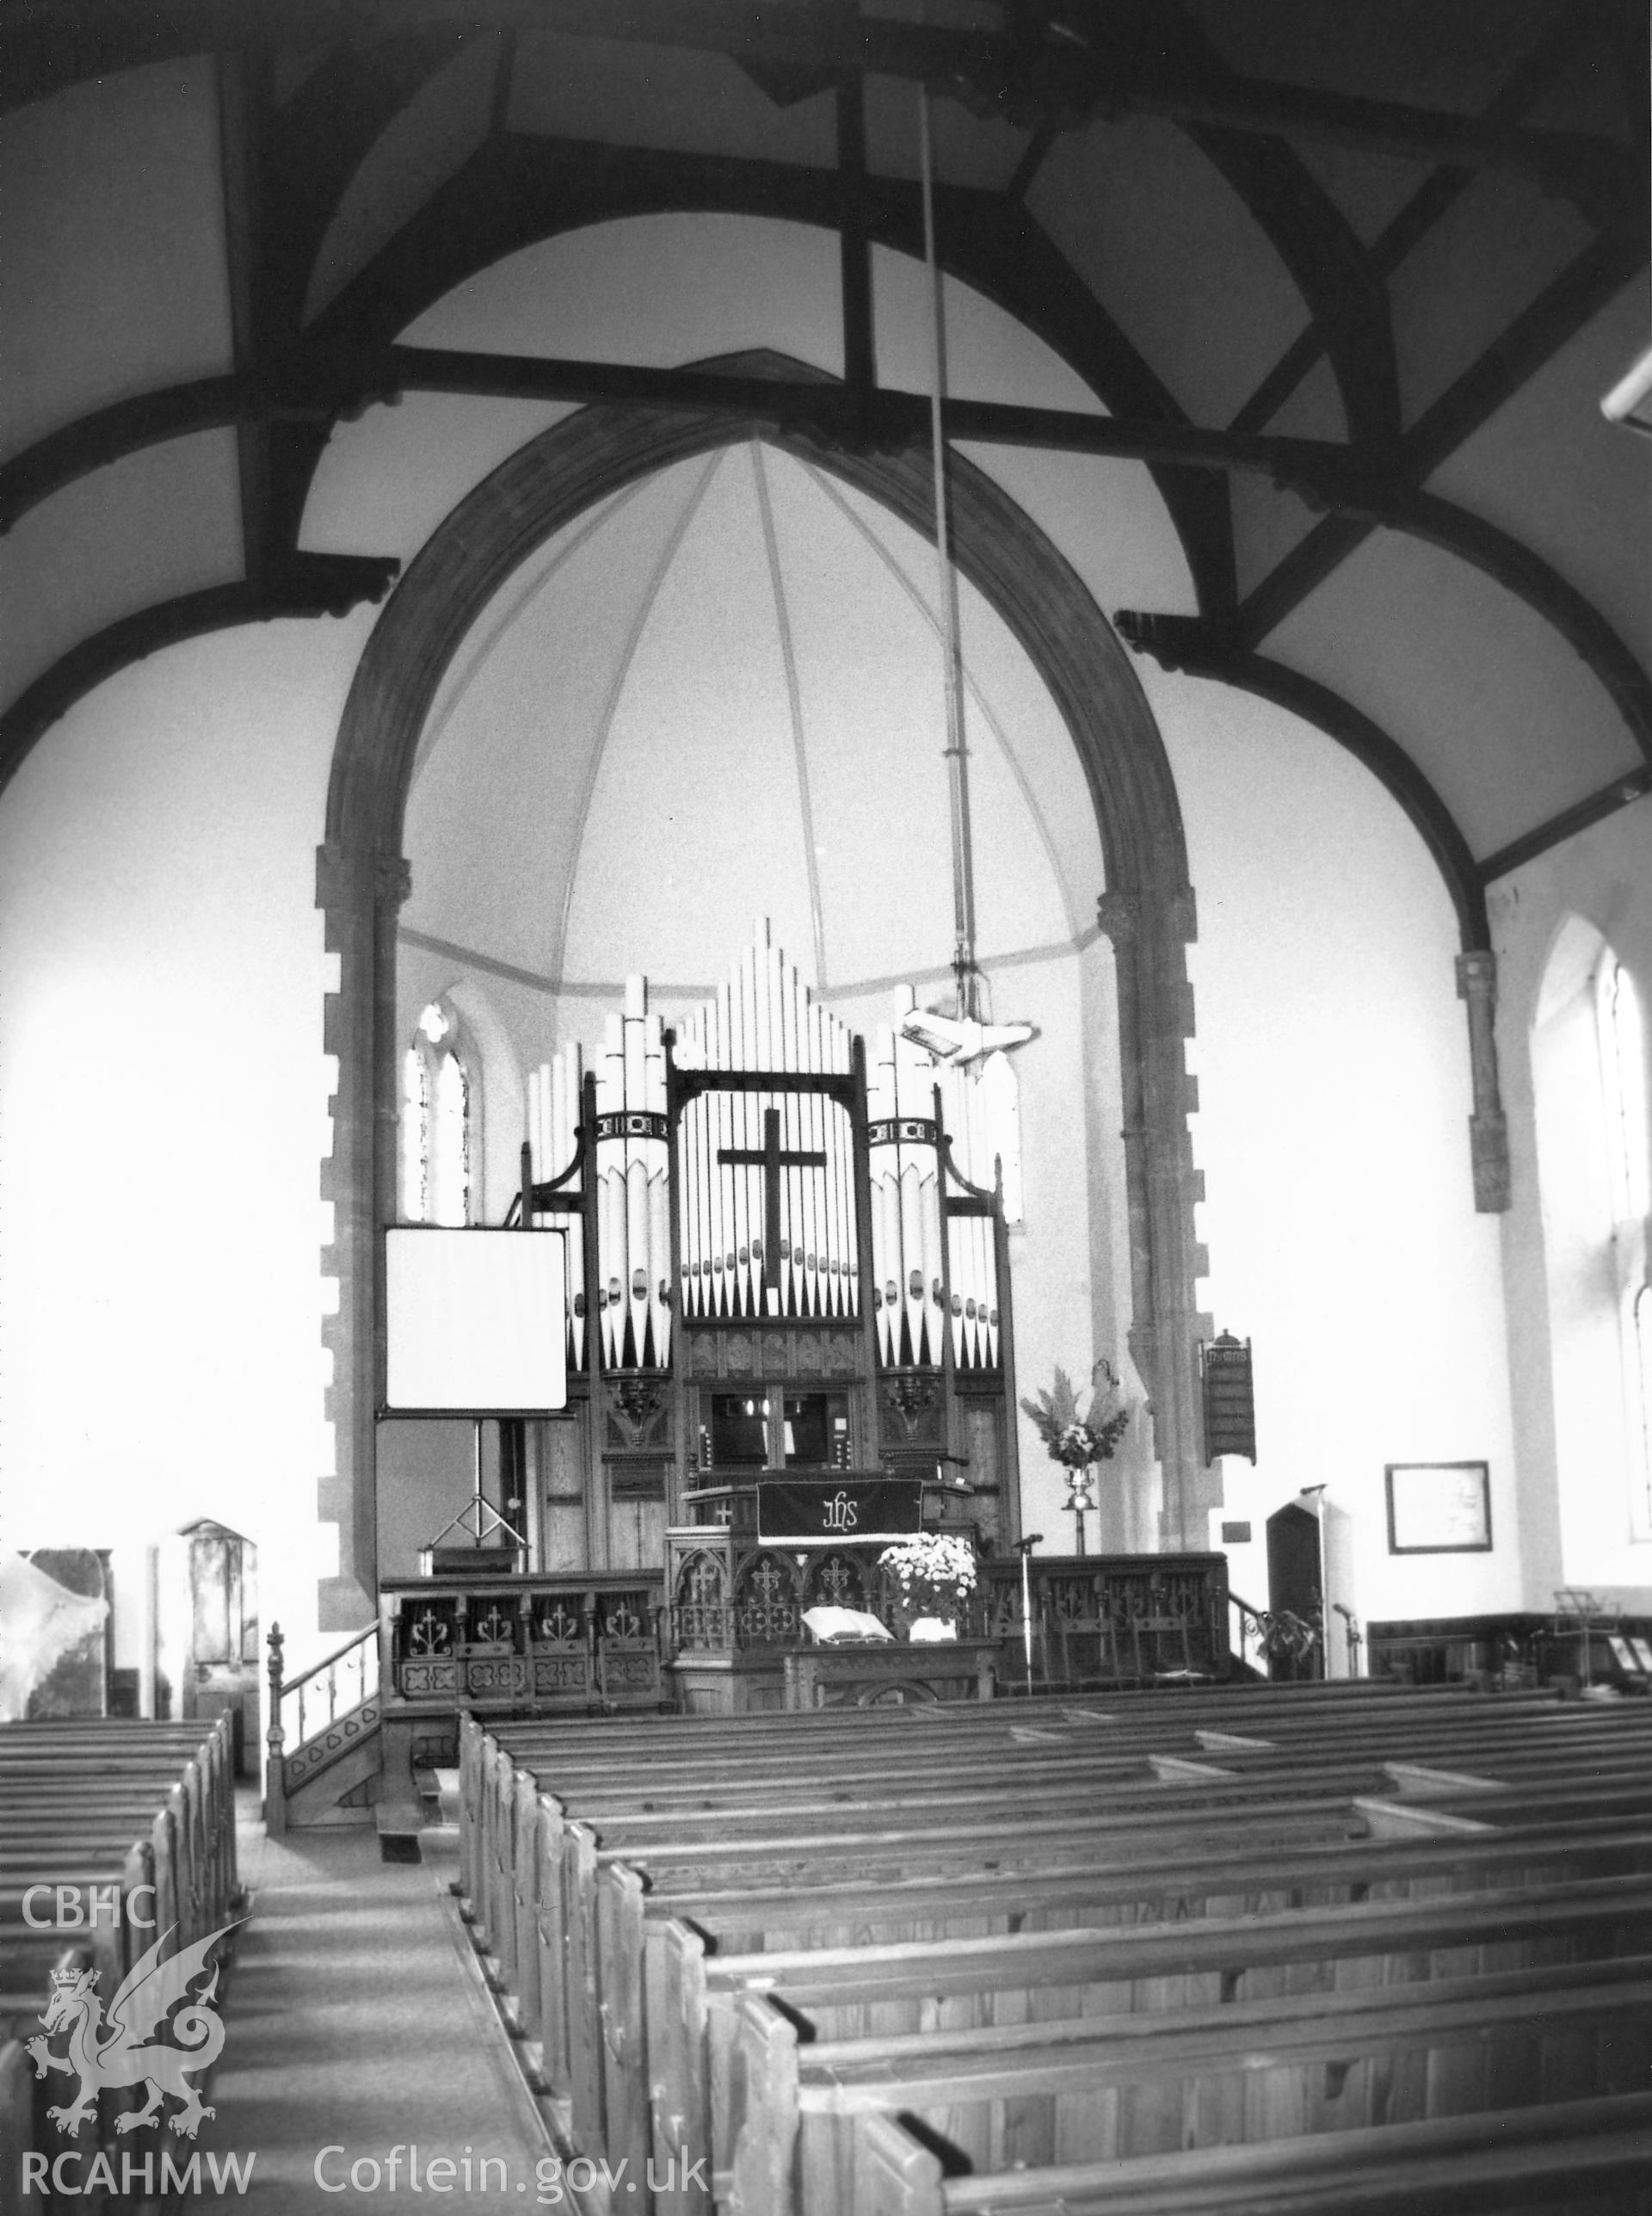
column 354, row 2025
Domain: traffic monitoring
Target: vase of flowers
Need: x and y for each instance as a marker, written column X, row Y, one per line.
column 1079, row 1440
column 932, row 1577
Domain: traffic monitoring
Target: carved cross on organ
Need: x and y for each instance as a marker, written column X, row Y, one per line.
column 771, row 1159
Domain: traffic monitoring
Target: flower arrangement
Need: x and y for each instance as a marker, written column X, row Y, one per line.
column 932, row 1573
column 1077, row 1441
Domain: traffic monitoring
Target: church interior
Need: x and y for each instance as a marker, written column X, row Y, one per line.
column 779, row 780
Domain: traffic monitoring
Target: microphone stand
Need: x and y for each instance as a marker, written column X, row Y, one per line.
column 1024, row 1548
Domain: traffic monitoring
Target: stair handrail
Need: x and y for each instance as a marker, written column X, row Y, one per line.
column 343, row 1680
column 1252, row 1627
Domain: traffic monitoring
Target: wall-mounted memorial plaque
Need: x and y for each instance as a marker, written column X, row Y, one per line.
column 1439, row 1507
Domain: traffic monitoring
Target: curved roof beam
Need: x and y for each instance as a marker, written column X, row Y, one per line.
column 1485, row 546
column 1570, row 33
column 1341, row 285
column 307, row 584
column 93, row 441
column 1343, row 291
column 1324, row 472
column 1199, row 651
column 1586, row 285
column 1030, row 65
column 514, row 193
column 316, row 141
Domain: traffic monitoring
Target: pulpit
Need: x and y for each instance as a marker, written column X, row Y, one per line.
column 756, row 1552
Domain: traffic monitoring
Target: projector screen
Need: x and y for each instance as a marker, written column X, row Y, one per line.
column 475, row 1323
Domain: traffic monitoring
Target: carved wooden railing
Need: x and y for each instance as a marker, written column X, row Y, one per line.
column 317, row 1716
column 1112, row 1618
column 1126, row 1619
column 542, row 1640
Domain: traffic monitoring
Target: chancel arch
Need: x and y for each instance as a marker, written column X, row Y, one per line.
column 1145, row 909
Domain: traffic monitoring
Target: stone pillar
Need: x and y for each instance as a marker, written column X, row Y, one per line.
column 1476, row 984
column 1151, row 932
column 363, row 897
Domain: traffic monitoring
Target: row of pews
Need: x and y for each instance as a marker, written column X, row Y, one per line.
column 112, row 1834
column 1321, row 1948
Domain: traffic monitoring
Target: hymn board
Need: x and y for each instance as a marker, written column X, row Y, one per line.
column 783, row 1258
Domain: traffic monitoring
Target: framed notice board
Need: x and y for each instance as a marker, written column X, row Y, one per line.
column 1439, row 1507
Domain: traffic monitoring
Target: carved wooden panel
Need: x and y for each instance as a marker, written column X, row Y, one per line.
column 910, row 1412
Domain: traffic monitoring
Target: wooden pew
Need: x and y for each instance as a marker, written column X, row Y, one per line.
column 533, row 1874
column 70, row 1779
column 1204, row 1962
column 544, row 1900
column 592, row 1793
column 631, row 1921
column 108, row 1810
column 666, row 1758
column 17, row 2130
column 1107, row 2088
column 525, row 1918
column 553, row 1959
column 1554, row 2160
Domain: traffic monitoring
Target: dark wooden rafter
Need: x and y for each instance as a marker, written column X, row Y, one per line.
column 288, row 388
column 1344, row 293
column 515, row 192
column 92, row 441
column 1095, row 57
column 319, row 139
column 1532, row 76
column 322, row 382
column 1184, row 643
column 307, row 585
column 1564, row 306
column 1483, row 546
column 1591, row 172
column 243, row 89
column 855, row 242
column 1514, row 565
column 1622, row 793
column 1034, row 154
column 836, row 416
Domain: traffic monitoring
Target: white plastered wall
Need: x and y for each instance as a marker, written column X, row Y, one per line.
column 163, row 1112
column 1603, row 876
column 1331, row 1058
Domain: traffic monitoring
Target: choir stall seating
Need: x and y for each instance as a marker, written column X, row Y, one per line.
column 103, row 1809
column 1321, row 1947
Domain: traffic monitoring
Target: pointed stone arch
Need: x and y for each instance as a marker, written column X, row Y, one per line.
column 362, row 880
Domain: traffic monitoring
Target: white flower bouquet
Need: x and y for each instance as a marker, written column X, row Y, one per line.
column 932, row 1573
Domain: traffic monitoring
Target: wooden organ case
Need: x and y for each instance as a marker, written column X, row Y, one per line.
column 785, row 1265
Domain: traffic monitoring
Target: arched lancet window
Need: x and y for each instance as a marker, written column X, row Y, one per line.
column 1622, row 1033
column 1591, row 1072
column 437, row 1123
